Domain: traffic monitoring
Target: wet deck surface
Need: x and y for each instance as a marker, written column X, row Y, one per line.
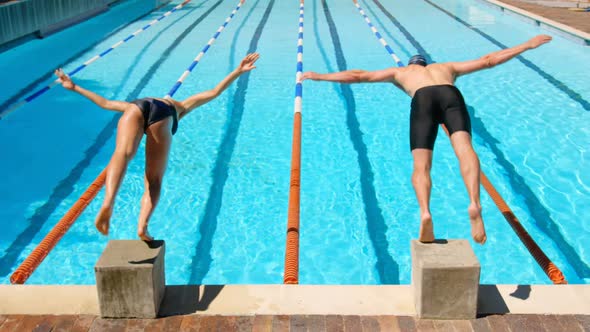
column 537, row 323
column 577, row 20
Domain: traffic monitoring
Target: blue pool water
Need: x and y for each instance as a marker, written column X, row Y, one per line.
column 224, row 205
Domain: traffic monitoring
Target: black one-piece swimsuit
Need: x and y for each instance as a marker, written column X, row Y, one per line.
column 155, row 110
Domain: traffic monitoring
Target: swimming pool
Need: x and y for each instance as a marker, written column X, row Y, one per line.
column 224, row 204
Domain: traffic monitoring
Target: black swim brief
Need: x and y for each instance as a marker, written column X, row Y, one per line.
column 155, row 110
column 431, row 106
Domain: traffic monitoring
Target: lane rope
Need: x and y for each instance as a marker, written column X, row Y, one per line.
column 205, row 49
column 378, row 35
column 291, row 275
column 41, row 91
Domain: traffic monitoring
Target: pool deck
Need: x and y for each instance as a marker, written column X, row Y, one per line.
column 296, row 308
column 570, row 323
column 577, row 20
column 562, row 18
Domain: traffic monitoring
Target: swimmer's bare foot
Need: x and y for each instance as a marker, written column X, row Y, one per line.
column 143, row 233
column 478, row 231
column 103, row 220
column 426, row 228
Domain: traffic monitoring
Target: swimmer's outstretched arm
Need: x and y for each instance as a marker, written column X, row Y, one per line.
column 498, row 57
column 354, row 76
column 204, row 97
column 114, row 105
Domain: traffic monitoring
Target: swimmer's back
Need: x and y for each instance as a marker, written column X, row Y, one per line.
column 414, row 77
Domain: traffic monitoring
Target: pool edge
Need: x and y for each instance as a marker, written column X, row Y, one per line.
column 573, row 33
column 361, row 300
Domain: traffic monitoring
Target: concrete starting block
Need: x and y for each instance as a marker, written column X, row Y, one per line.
column 445, row 279
column 130, row 279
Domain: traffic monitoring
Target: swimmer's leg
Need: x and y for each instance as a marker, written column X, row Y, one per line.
column 157, row 148
column 470, row 170
column 129, row 133
column 422, row 186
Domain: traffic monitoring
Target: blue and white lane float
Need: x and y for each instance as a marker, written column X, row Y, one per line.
column 205, row 49
column 291, row 273
column 378, row 35
column 89, row 61
column 298, row 85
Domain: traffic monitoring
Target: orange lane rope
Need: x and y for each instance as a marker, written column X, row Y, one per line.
column 291, row 274
column 24, row 271
column 292, row 249
column 552, row 271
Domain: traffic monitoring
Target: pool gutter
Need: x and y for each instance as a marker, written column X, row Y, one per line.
column 576, row 35
column 297, row 300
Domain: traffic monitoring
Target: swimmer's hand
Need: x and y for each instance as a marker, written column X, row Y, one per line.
column 538, row 41
column 309, row 75
column 66, row 81
column 247, row 63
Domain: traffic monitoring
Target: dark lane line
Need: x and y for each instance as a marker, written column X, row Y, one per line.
column 144, row 49
column 201, row 261
column 538, row 211
column 406, row 33
column 383, row 27
column 152, row 70
column 387, row 267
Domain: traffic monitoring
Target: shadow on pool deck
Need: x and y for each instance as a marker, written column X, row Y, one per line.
column 188, row 299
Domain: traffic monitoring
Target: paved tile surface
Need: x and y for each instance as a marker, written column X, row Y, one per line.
column 534, row 323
